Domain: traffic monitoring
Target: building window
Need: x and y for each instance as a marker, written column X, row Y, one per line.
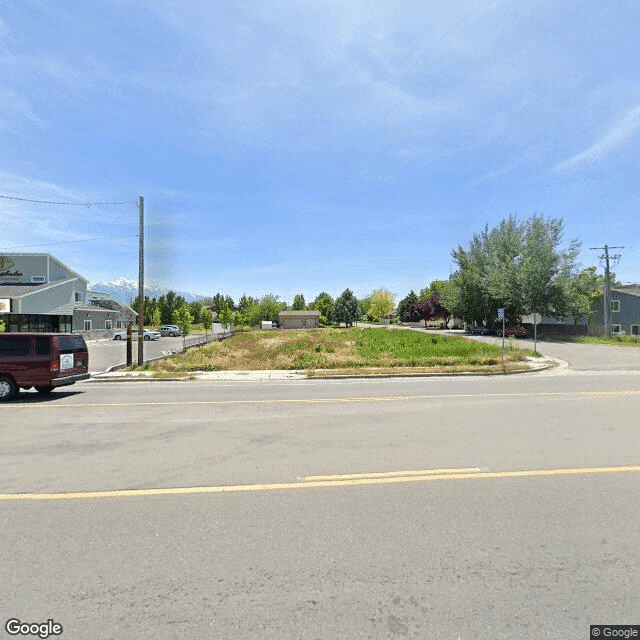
column 615, row 306
column 87, row 325
column 78, row 296
column 107, row 324
column 118, row 324
column 635, row 329
column 615, row 328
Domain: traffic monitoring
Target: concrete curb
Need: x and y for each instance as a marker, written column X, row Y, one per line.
column 280, row 375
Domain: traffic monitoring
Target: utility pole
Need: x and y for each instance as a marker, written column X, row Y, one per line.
column 141, row 281
column 607, row 283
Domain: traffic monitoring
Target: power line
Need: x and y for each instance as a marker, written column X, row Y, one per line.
column 70, row 204
column 50, row 244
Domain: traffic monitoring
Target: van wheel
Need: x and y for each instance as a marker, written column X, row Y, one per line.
column 45, row 390
column 147, row 338
column 8, row 388
column 117, row 337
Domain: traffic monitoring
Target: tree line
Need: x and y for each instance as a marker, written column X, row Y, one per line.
column 345, row 309
column 521, row 266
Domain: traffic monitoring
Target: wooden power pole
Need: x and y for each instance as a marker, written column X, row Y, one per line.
column 141, row 281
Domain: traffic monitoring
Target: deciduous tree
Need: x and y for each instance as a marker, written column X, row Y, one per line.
column 382, row 304
column 206, row 317
column 183, row 319
column 518, row 266
column 195, row 309
column 323, row 303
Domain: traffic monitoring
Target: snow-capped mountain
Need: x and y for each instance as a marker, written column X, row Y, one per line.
column 124, row 290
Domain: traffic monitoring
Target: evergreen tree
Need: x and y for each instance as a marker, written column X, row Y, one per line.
column 299, row 303
column 345, row 309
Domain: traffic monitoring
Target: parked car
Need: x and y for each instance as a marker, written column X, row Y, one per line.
column 170, row 330
column 480, row 330
column 41, row 360
column 148, row 335
column 516, row 332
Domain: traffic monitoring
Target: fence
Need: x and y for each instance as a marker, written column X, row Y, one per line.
column 199, row 340
column 559, row 330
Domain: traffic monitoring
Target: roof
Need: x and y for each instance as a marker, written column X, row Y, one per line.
column 311, row 312
column 72, row 273
column 15, row 291
column 631, row 289
column 109, row 303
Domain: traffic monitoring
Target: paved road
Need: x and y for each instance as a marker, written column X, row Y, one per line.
column 580, row 357
column 311, row 509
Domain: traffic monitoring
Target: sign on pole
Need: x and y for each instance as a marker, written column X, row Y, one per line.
column 501, row 317
column 537, row 318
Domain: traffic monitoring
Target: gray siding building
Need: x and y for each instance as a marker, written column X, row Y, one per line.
column 624, row 311
column 40, row 293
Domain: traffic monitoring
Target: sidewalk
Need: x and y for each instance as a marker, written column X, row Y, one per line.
column 251, row 376
column 533, row 365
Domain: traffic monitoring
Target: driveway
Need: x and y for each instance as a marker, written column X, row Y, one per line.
column 580, row 357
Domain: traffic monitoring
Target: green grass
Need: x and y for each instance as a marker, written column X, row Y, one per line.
column 353, row 349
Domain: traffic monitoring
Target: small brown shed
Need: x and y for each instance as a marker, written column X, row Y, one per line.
column 298, row 319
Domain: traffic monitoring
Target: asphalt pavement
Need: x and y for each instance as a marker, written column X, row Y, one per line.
column 476, row 507
column 578, row 356
column 106, row 354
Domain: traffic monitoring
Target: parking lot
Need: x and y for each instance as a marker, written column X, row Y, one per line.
column 105, row 354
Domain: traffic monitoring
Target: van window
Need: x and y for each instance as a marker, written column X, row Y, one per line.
column 15, row 346
column 69, row 343
column 43, row 345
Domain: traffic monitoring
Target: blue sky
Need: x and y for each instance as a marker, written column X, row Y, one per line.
column 293, row 147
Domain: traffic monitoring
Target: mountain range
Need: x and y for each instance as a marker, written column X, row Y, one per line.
column 124, row 290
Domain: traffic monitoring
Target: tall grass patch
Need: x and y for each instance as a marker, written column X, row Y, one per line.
column 340, row 349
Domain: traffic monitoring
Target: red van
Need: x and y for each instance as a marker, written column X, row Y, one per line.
column 41, row 360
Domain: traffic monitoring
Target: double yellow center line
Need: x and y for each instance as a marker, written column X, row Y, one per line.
column 326, row 482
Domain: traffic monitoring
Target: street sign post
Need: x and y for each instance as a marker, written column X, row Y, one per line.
column 536, row 319
column 501, row 317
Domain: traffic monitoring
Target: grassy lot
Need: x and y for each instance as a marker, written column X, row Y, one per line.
column 344, row 350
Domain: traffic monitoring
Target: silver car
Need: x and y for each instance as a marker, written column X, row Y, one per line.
column 148, row 335
column 170, row 330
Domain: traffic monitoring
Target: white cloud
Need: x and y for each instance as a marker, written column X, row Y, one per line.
column 15, row 104
column 625, row 128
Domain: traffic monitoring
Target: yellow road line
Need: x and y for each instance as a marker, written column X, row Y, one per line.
column 391, row 474
column 452, row 396
column 317, row 484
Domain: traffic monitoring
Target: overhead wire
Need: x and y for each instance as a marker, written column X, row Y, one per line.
column 70, row 204
column 48, row 244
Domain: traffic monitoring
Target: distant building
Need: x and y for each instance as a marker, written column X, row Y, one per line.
column 299, row 319
column 624, row 311
column 40, row 293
